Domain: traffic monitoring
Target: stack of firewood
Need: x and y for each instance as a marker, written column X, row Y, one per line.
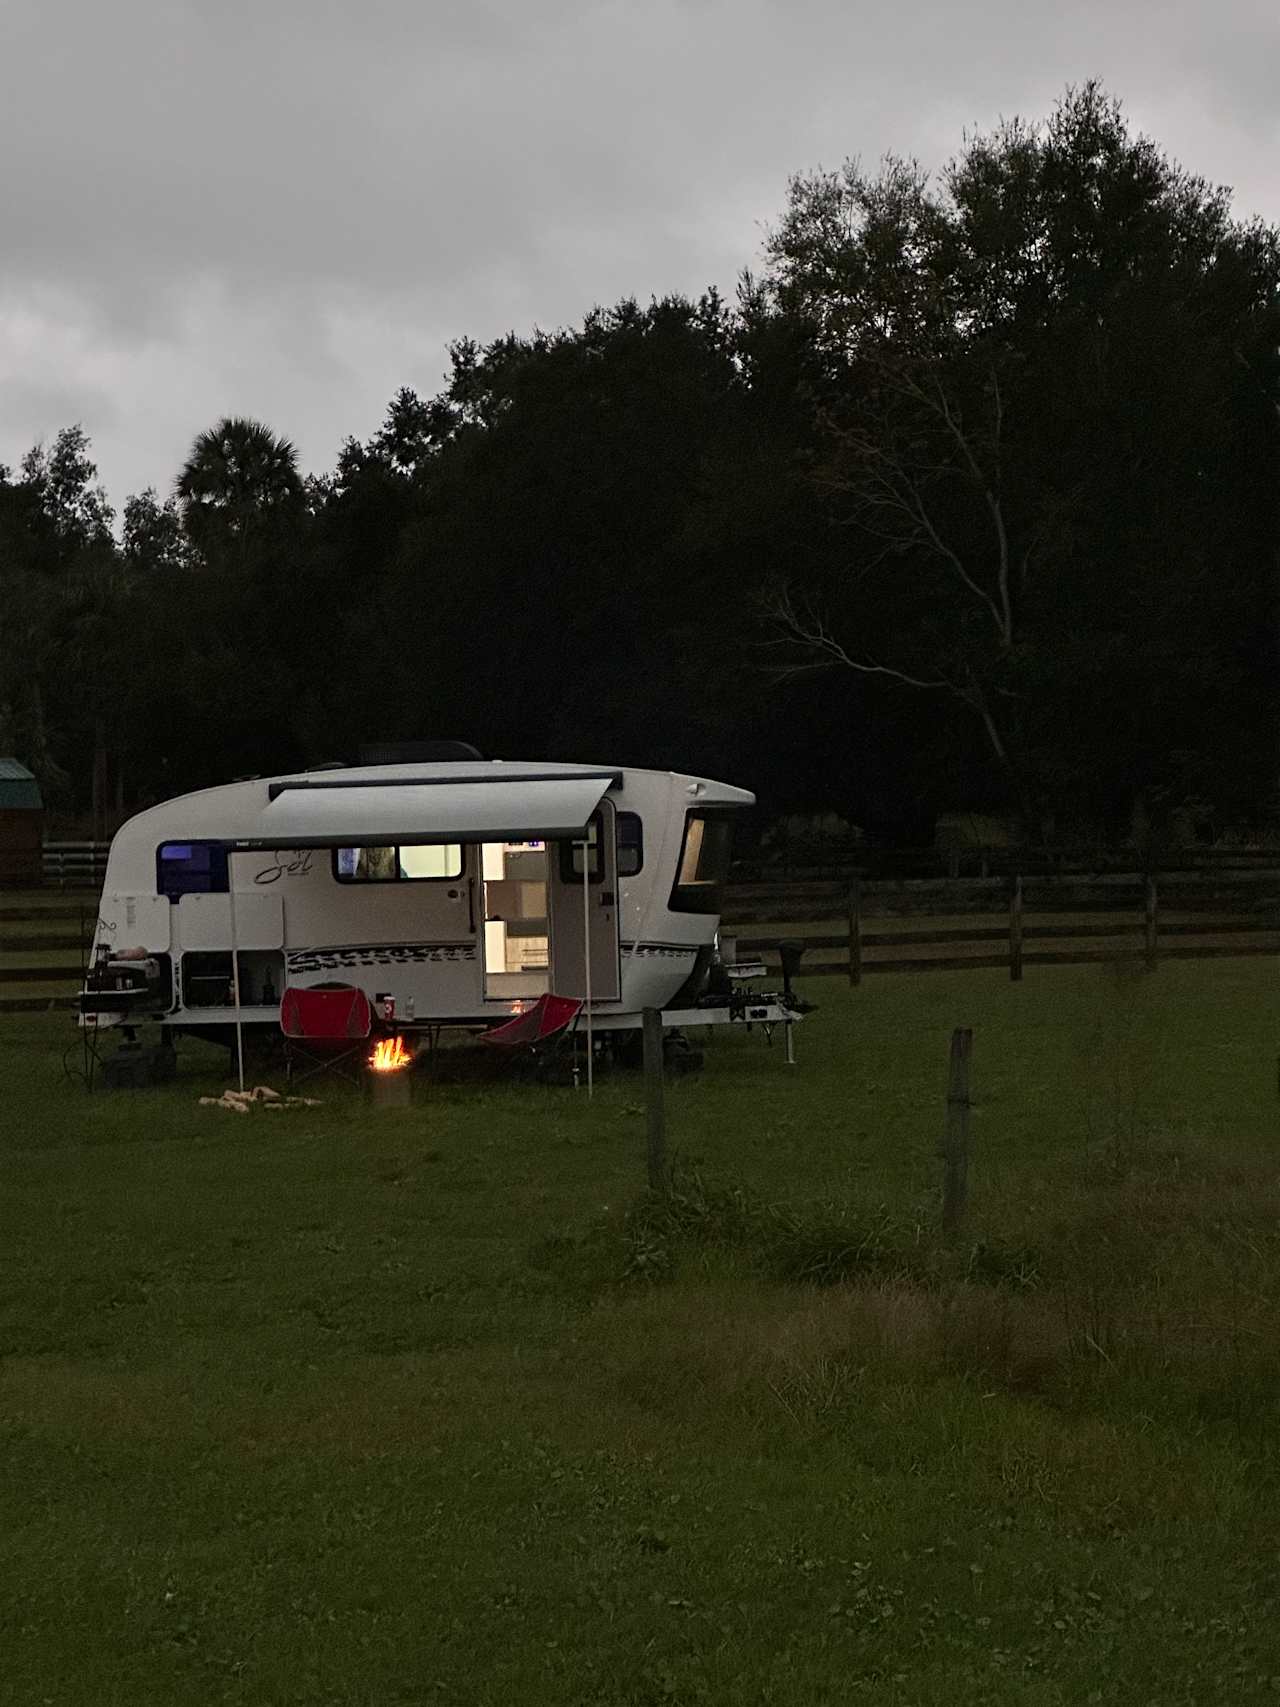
column 261, row 1096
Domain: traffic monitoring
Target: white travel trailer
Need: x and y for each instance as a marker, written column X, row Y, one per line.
column 451, row 893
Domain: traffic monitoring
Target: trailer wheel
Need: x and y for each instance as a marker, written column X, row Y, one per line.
column 627, row 1049
column 679, row 1056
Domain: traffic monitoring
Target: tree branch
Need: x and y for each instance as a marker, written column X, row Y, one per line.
column 936, row 401
column 887, row 483
column 805, row 627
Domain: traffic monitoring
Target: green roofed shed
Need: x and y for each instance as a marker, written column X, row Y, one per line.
column 21, row 825
column 17, row 786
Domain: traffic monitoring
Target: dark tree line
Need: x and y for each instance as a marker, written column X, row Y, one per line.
column 969, row 501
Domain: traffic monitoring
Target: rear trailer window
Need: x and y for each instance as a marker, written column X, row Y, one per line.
column 704, row 864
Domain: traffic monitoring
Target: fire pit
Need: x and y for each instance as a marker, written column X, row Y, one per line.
column 389, row 1078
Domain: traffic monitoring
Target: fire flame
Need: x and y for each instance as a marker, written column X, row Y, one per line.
column 389, row 1054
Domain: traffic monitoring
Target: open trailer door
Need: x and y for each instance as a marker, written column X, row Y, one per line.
column 586, row 957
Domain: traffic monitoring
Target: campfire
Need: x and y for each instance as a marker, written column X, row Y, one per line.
column 388, row 1080
column 389, row 1055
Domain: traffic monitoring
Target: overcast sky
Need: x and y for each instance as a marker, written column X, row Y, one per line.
column 287, row 208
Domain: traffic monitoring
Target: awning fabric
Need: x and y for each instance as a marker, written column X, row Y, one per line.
column 358, row 815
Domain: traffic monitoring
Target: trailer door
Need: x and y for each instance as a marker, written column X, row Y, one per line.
column 584, row 912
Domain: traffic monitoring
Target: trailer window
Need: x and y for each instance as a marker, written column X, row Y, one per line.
column 571, row 856
column 630, row 844
column 191, row 868
column 430, row 862
column 629, row 831
column 434, row 859
column 704, row 864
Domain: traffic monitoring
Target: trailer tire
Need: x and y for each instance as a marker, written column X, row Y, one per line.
column 679, row 1056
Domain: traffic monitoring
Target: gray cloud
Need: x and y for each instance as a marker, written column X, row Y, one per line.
column 288, row 207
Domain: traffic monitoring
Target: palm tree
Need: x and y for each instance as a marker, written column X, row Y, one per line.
column 238, row 473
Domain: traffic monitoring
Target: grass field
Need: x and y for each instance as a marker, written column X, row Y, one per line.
column 330, row 1407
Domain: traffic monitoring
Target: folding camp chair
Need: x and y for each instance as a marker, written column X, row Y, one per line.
column 540, row 1035
column 328, row 1027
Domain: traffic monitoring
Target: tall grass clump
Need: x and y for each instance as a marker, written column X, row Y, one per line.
column 822, row 1247
column 1119, row 1065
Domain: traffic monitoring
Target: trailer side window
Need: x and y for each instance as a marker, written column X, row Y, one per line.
column 435, row 859
column 630, row 844
column 704, row 864
column 571, row 856
column 421, row 862
column 629, row 831
column 191, row 868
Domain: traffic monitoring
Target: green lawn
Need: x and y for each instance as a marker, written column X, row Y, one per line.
column 16, row 959
column 68, row 904
column 43, row 991
column 324, row 1406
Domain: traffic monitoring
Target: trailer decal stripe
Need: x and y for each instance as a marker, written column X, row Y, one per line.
column 659, row 950
column 349, row 956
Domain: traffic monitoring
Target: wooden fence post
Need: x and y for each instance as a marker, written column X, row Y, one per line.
column 955, row 1149
column 1151, row 924
column 654, row 1101
column 1015, row 931
column 855, row 932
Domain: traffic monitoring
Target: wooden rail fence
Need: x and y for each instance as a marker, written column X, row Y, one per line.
column 75, row 865
column 1178, row 915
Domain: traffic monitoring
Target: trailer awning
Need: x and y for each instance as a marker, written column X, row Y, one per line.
column 358, row 814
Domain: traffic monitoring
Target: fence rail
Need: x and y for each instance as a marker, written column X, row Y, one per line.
column 817, row 860
column 1186, row 890
column 75, row 865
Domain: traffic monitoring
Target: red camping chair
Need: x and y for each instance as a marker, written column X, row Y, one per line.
column 539, row 1035
column 328, row 1027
